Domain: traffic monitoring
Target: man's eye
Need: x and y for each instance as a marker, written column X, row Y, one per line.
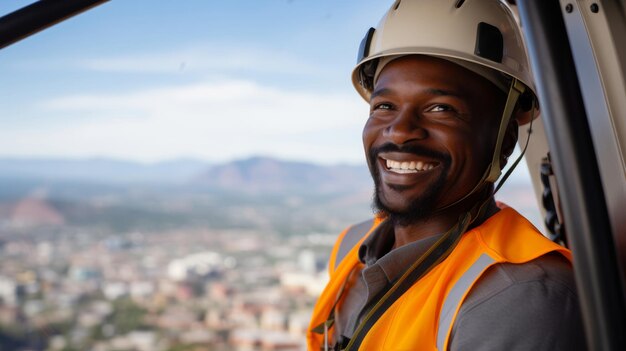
column 382, row 106
column 440, row 108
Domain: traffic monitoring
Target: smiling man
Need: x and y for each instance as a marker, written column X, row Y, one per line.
column 441, row 266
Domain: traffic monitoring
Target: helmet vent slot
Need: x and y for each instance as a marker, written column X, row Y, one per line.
column 364, row 48
column 459, row 3
column 489, row 42
column 397, row 4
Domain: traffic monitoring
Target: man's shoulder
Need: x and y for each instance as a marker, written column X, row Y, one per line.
column 534, row 301
column 553, row 270
column 512, row 238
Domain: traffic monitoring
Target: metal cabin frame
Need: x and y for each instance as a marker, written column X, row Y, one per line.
column 39, row 16
column 578, row 55
column 577, row 51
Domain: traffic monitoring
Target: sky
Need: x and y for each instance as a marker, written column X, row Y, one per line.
column 213, row 80
column 151, row 81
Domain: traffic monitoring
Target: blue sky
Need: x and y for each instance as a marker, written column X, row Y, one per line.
column 214, row 80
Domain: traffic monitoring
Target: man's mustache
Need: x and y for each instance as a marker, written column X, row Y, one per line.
column 414, row 149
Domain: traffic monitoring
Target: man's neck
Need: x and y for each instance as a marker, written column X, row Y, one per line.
column 438, row 224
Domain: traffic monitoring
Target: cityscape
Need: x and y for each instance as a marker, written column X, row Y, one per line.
column 163, row 267
column 155, row 266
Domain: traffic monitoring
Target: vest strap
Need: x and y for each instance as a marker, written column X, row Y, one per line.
column 453, row 300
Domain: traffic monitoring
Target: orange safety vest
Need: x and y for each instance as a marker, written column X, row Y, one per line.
column 423, row 317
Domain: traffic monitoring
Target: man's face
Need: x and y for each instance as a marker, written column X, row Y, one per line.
column 430, row 134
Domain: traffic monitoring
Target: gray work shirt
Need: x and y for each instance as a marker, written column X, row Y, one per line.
column 531, row 306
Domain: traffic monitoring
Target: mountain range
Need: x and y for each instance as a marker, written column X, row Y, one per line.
column 292, row 195
column 252, row 175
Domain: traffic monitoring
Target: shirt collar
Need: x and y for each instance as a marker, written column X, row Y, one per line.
column 376, row 249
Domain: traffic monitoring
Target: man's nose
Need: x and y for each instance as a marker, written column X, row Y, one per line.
column 406, row 127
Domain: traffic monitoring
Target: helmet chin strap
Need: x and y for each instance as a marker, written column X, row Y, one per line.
column 493, row 171
column 515, row 91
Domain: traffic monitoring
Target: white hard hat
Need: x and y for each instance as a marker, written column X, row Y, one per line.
column 480, row 35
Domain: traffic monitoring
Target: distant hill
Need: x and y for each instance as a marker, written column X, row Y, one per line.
column 256, row 193
column 254, row 175
column 269, row 175
column 100, row 170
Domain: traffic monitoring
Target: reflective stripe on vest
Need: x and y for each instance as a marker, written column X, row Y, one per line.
column 351, row 238
column 452, row 301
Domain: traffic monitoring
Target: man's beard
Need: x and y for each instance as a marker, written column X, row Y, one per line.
column 420, row 208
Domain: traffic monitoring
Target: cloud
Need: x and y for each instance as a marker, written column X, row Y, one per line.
column 204, row 58
column 211, row 120
column 197, row 60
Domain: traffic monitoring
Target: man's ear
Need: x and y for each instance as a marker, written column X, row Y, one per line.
column 510, row 139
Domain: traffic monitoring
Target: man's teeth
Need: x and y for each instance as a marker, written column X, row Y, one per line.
column 409, row 167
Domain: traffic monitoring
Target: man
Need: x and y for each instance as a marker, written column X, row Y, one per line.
column 442, row 266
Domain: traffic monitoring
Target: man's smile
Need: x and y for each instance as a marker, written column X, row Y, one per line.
column 404, row 167
column 406, row 163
